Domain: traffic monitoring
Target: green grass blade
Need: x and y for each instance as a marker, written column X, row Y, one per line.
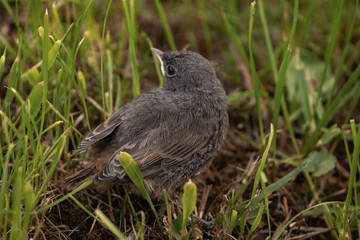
column 267, row 39
column 45, row 77
column 55, row 151
column 266, row 201
column 353, row 171
column 281, row 182
column 4, row 188
column 110, row 99
column 109, row 224
column 16, row 228
column 263, row 161
column 235, row 38
column 275, row 72
column 168, row 211
column 132, row 208
column 82, row 92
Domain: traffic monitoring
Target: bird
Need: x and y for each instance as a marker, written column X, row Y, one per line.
column 172, row 132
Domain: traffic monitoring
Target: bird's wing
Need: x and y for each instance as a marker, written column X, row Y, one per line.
column 137, row 107
column 155, row 151
column 102, row 131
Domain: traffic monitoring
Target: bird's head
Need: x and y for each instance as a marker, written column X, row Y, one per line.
column 186, row 71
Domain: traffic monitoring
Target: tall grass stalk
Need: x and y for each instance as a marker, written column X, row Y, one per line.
column 235, row 38
column 133, row 171
column 343, row 55
column 353, row 171
column 106, row 108
column 166, row 25
column 281, row 79
column 109, row 224
column 129, row 10
column 330, row 49
column 275, row 73
column 255, row 77
column 205, row 25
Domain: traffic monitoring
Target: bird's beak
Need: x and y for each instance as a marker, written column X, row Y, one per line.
column 159, row 54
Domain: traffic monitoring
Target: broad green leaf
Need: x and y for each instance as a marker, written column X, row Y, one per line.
column 303, row 77
column 189, row 201
column 329, row 134
column 320, row 163
column 300, row 92
column 16, row 204
column 177, row 226
column 53, row 53
column 256, row 221
column 33, row 75
column 234, row 217
column 134, row 173
column 82, row 83
column 29, row 197
column 13, row 81
column 35, row 98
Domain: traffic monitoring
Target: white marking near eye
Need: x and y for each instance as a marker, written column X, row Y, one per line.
column 162, row 68
column 162, row 65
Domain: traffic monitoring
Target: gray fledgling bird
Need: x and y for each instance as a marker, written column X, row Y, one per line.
column 173, row 133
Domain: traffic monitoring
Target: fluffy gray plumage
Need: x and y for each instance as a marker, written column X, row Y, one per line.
column 173, row 133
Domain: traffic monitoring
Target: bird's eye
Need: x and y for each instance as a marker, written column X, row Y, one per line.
column 170, row 71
